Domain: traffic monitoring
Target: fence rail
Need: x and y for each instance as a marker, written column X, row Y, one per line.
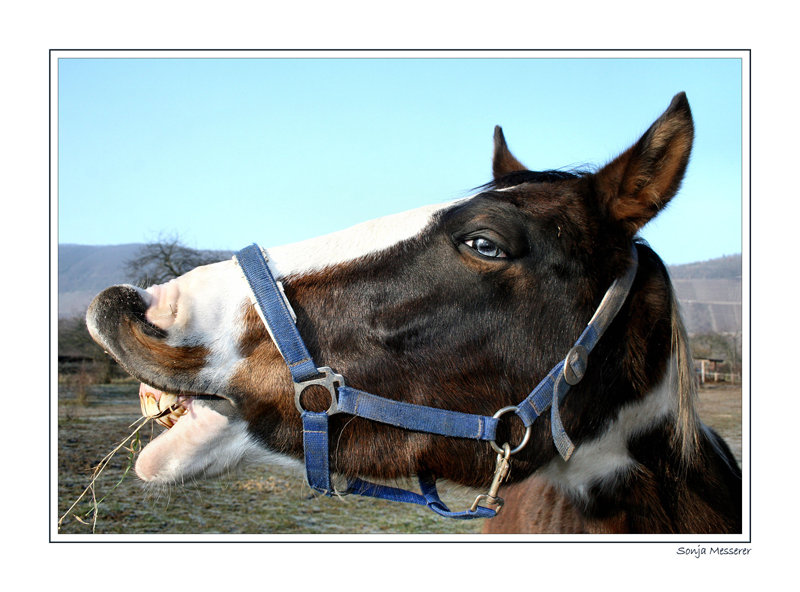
column 731, row 377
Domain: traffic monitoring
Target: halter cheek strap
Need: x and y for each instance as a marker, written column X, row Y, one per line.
column 276, row 313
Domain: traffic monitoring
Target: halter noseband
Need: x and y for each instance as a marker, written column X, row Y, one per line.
column 275, row 311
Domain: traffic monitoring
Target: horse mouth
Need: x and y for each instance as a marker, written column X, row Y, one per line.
column 162, row 407
column 165, row 408
column 203, row 439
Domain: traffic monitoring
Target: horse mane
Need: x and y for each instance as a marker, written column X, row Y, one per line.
column 687, row 423
column 515, row 178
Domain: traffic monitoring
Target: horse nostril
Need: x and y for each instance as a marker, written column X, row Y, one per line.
column 115, row 308
column 163, row 308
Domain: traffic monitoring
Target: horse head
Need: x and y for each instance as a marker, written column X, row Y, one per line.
column 463, row 306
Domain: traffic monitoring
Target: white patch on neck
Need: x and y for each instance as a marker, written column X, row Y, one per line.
column 353, row 243
column 607, row 457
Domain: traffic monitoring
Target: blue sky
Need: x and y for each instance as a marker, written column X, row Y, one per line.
column 226, row 152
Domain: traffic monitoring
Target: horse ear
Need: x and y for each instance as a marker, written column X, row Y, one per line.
column 637, row 185
column 503, row 162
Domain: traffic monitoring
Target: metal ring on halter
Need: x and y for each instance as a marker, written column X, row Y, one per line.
column 329, row 380
column 522, row 444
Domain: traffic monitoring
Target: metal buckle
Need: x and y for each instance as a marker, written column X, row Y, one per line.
column 575, row 364
column 329, row 380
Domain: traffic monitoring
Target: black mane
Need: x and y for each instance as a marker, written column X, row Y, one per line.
column 519, row 177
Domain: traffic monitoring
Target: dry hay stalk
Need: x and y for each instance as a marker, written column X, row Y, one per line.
column 132, row 450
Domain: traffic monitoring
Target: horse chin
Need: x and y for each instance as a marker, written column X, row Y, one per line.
column 203, row 439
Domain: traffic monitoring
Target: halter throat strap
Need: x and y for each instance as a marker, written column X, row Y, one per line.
column 276, row 312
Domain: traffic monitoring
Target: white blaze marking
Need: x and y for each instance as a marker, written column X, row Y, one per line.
column 204, row 306
column 353, row 243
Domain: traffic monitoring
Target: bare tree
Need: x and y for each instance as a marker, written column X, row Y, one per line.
column 166, row 258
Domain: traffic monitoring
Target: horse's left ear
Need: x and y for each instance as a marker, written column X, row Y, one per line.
column 637, row 185
column 503, row 162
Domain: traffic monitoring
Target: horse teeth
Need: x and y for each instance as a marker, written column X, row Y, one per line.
column 166, row 421
column 150, row 405
column 164, row 408
column 167, row 400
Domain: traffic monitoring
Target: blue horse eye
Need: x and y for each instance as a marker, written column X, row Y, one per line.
column 485, row 247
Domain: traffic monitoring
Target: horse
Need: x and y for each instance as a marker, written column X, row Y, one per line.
column 455, row 311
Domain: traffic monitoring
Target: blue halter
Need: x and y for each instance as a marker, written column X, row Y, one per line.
column 276, row 313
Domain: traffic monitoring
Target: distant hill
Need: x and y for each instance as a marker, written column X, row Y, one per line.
column 84, row 271
column 723, row 268
column 710, row 292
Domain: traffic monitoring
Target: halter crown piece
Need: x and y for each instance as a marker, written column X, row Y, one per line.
column 276, row 313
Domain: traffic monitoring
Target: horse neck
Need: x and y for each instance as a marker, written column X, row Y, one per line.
column 655, row 468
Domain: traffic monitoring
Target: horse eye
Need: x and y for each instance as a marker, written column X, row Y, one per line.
column 485, row 247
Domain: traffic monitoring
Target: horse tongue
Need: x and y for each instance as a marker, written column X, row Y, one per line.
column 153, row 401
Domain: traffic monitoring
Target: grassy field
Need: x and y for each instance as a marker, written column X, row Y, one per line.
column 258, row 500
